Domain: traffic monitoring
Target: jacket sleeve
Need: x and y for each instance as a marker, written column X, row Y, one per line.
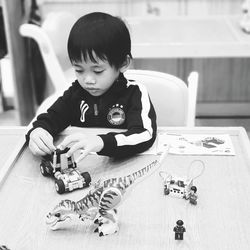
column 141, row 127
column 57, row 117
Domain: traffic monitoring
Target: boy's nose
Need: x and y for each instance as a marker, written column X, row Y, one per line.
column 89, row 80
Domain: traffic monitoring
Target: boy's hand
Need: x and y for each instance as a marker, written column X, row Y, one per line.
column 87, row 144
column 41, row 142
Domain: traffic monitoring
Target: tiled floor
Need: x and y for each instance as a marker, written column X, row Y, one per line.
column 9, row 118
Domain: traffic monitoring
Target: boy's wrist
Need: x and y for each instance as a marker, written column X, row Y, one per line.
column 100, row 144
column 109, row 144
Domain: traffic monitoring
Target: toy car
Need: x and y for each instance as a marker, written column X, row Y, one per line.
column 64, row 170
column 71, row 179
column 53, row 162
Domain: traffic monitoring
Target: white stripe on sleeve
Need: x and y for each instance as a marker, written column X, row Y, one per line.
column 145, row 135
column 132, row 139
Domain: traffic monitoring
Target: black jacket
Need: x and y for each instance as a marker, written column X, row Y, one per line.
column 125, row 105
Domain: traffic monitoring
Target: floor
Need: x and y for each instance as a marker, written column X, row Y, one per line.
column 9, row 118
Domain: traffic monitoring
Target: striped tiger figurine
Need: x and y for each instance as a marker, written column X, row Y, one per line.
column 100, row 203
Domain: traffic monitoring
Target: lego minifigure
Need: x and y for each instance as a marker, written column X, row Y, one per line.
column 245, row 21
column 166, row 188
column 179, row 229
column 193, row 196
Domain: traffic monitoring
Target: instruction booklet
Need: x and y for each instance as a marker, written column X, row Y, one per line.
column 195, row 144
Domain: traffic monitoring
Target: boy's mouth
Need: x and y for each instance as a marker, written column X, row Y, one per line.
column 93, row 91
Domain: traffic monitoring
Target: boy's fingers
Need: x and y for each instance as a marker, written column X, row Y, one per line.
column 41, row 144
column 69, row 139
column 49, row 142
column 83, row 154
column 43, row 140
column 75, row 147
column 35, row 149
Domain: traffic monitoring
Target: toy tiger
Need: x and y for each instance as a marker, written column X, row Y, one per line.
column 100, row 203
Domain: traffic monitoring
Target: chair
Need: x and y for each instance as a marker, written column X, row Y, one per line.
column 174, row 101
column 52, row 39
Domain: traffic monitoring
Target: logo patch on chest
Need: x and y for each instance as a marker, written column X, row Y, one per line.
column 116, row 115
column 83, row 108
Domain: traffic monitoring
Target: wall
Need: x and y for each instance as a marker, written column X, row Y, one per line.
column 146, row 7
column 222, row 80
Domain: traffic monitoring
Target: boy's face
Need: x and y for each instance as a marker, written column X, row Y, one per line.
column 95, row 78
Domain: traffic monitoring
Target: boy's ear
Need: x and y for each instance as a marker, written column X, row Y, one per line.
column 126, row 64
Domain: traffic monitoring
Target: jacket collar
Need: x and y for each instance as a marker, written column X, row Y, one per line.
column 118, row 86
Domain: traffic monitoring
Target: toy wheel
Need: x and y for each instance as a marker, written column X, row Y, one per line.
column 60, row 187
column 44, row 169
column 86, row 177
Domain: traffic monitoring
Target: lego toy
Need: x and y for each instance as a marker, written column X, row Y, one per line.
column 101, row 202
column 193, row 196
column 181, row 187
column 166, row 189
column 177, row 186
column 67, row 176
column 52, row 163
column 179, row 230
column 245, row 21
column 71, row 179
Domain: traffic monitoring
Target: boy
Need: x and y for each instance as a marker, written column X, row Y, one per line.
column 99, row 49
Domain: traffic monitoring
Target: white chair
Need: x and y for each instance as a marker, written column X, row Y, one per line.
column 52, row 39
column 174, row 101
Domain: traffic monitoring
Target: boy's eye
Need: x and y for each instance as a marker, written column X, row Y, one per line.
column 78, row 70
column 98, row 71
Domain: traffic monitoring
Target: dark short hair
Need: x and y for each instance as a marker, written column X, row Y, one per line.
column 105, row 35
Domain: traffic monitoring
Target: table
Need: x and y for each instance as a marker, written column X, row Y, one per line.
column 12, row 142
column 220, row 220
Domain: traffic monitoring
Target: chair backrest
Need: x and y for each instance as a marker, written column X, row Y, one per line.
column 52, row 38
column 174, row 101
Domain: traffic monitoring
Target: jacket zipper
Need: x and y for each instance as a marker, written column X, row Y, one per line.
column 96, row 110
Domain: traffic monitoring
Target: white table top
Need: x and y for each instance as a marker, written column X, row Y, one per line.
column 220, row 220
